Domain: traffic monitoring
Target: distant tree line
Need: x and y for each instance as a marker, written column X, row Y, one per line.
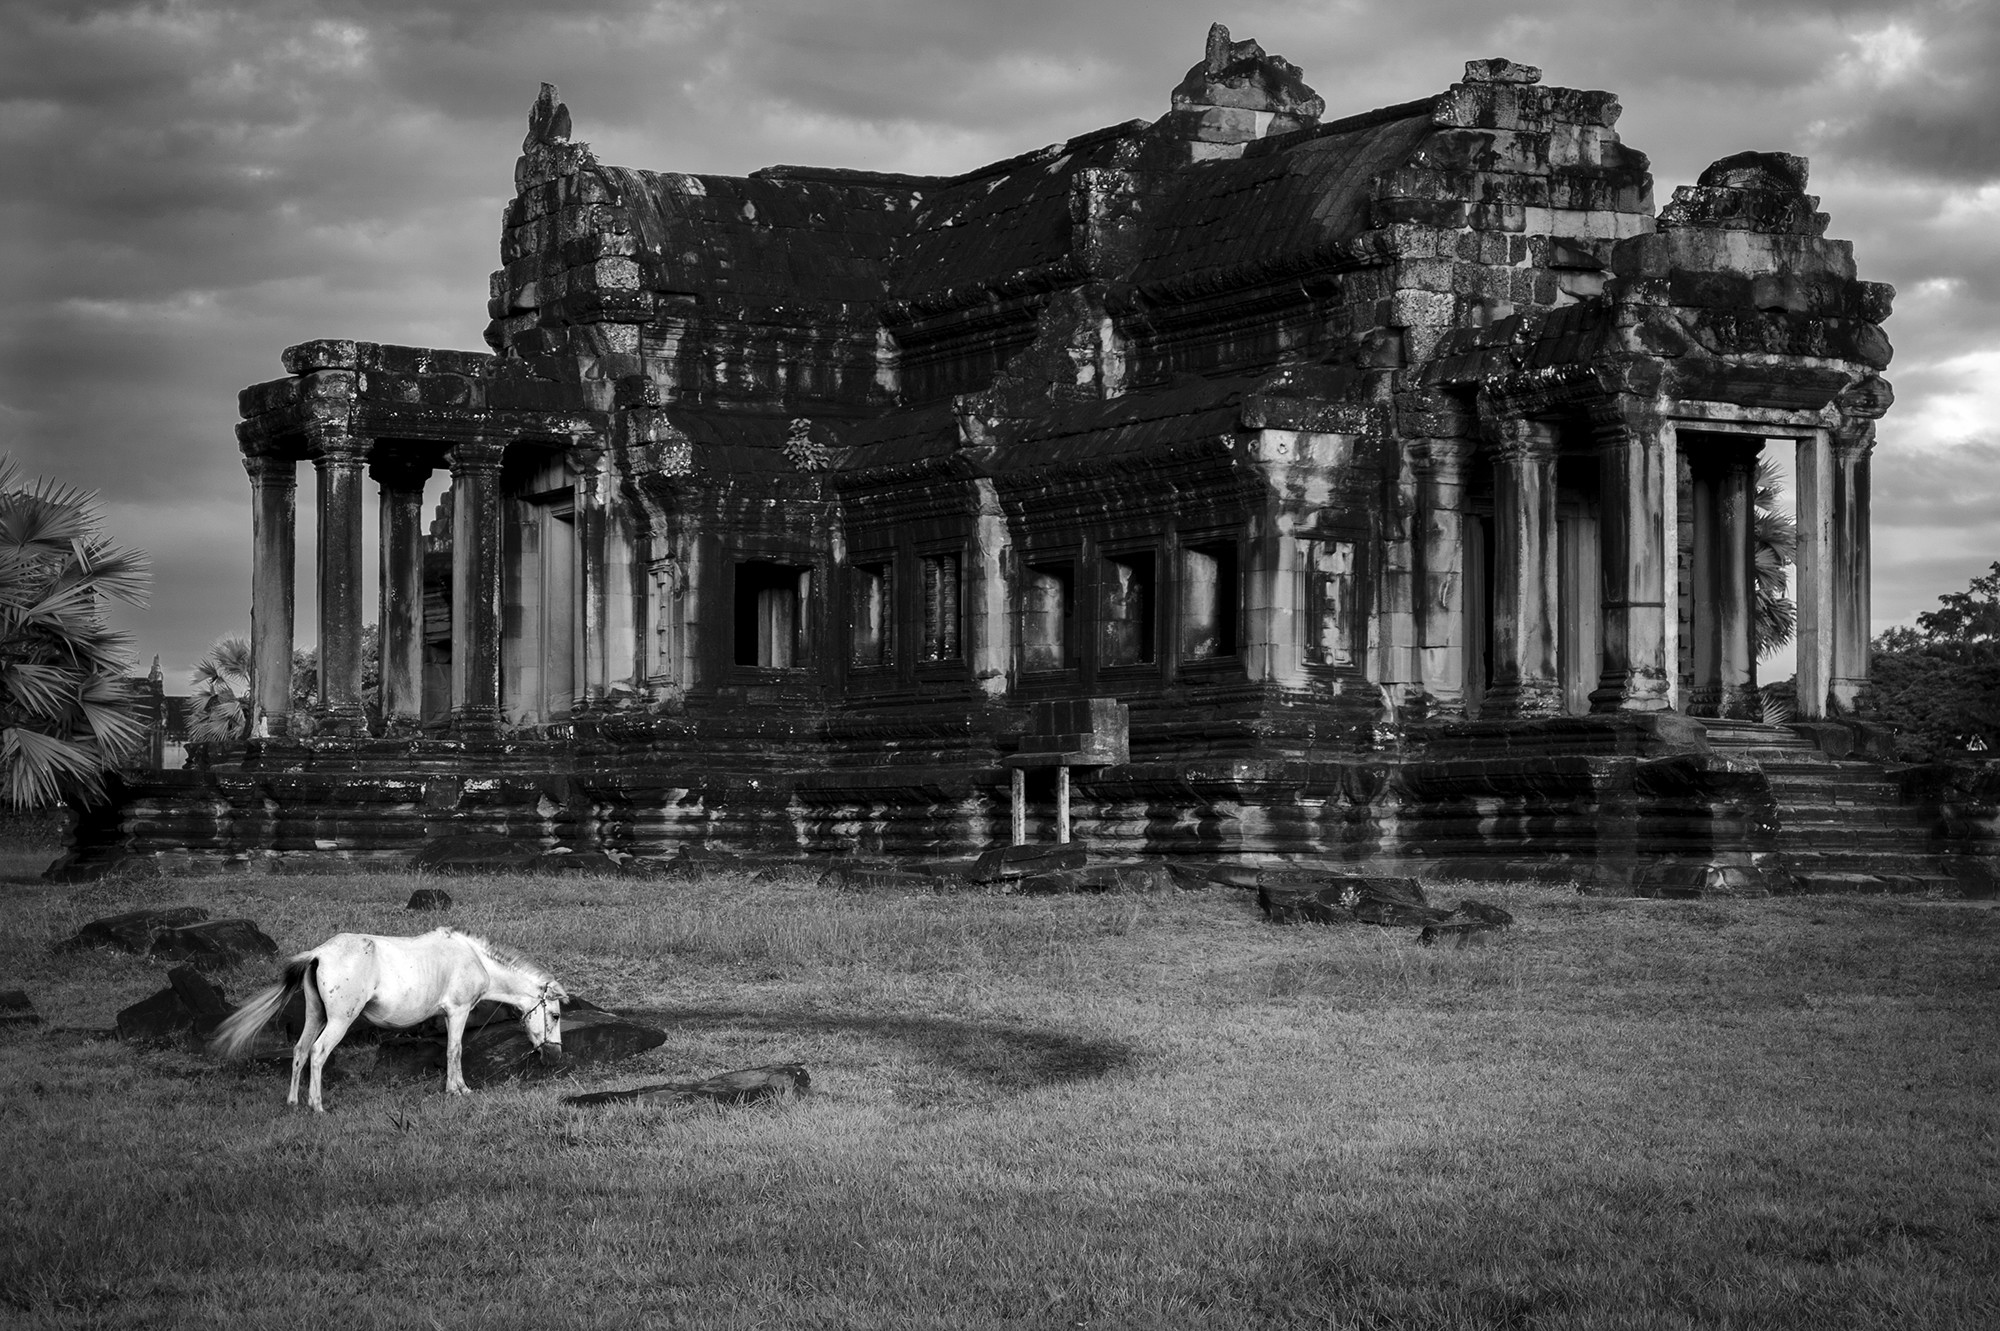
column 1939, row 683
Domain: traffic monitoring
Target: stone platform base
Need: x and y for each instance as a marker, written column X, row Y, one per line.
column 1616, row 805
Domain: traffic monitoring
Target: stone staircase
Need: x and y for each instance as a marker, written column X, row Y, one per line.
column 1842, row 825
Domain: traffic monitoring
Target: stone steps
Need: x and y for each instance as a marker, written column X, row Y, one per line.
column 1842, row 825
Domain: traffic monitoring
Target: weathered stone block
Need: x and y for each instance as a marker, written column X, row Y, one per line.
column 215, row 944
column 134, row 930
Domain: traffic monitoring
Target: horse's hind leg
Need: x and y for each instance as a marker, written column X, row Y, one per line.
column 344, row 997
column 315, row 1019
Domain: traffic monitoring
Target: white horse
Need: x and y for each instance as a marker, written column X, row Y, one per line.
column 399, row 982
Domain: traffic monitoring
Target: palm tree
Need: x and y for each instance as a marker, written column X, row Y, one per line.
column 1775, row 541
column 67, row 713
column 218, row 708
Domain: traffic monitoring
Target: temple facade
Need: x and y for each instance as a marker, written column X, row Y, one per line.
column 1387, row 477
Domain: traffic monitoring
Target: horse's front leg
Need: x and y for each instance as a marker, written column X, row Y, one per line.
column 454, row 1051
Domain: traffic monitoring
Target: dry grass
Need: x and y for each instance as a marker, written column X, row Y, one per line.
column 1118, row 1111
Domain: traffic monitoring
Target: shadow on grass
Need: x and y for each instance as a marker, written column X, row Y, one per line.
column 1003, row 1055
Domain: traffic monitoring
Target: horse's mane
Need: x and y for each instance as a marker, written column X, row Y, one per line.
column 507, row 956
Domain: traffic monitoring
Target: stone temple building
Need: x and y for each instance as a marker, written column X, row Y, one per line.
column 1371, row 489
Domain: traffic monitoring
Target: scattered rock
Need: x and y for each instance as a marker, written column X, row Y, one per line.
column 501, row 1051
column 429, row 898
column 189, row 1008
column 16, row 1011
column 775, row 1081
column 1034, row 858
column 204, row 1001
column 1100, row 878
column 1346, row 899
column 215, row 944
column 1471, row 924
column 134, row 930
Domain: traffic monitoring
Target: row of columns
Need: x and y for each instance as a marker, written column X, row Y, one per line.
column 339, row 460
column 1637, row 456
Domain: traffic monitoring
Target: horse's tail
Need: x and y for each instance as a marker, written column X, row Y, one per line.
column 236, row 1032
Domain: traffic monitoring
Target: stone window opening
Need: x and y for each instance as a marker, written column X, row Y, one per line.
column 1328, row 603
column 941, row 607
column 871, row 622
column 1048, row 611
column 1209, row 600
column 1128, row 608
column 772, row 604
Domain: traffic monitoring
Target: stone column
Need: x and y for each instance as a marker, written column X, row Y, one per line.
column 1525, row 681
column 401, row 611
column 989, row 596
column 339, row 458
column 1441, row 607
column 1632, row 452
column 1813, row 480
column 593, row 586
column 274, row 488
column 1735, row 587
column 1395, row 638
column 1853, row 443
column 475, row 587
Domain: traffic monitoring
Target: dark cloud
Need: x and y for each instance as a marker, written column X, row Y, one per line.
column 194, row 184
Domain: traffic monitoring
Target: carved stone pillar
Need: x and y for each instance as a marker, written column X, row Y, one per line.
column 592, row 670
column 1735, row 587
column 402, row 590
column 1525, row 681
column 1440, row 606
column 339, row 459
column 1853, row 444
column 475, row 587
column 1812, row 476
column 274, row 488
column 1632, row 451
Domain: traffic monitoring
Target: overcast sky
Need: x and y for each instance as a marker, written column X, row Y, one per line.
column 193, row 186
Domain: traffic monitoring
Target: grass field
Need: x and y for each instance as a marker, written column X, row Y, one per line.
column 1120, row 1111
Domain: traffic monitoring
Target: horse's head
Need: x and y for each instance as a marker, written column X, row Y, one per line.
column 543, row 1018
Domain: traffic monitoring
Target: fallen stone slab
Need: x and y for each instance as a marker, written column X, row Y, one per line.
column 134, row 930
column 214, row 944
column 429, row 898
column 774, row 1081
column 16, row 1011
column 1099, row 878
column 868, row 878
column 1020, row 861
column 1349, row 899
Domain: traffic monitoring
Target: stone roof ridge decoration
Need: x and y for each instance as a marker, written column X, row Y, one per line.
column 1763, row 192
column 1239, row 93
column 548, row 121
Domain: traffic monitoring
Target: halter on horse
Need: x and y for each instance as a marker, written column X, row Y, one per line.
column 399, row 982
